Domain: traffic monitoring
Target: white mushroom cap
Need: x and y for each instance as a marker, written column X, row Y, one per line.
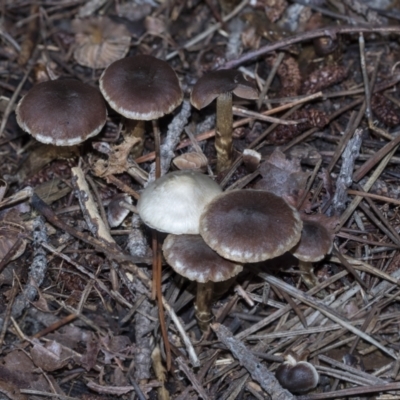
column 175, row 202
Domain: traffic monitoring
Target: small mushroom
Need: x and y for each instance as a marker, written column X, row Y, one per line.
column 315, row 243
column 63, row 112
column 250, row 225
column 297, row 376
column 174, row 202
column 141, row 88
column 251, row 159
column 190, row 257
column 99, row 41
column 220, row 85
column 116, row 212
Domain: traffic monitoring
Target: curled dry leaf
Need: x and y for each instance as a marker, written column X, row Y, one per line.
column 191, row 160
column 51, row 356
column 283, row 177
column 250, row 38
column 117, row 162
column 18, row 369
column 305, row 153
column 100, row 41
column 154, row 26
column 88, row 360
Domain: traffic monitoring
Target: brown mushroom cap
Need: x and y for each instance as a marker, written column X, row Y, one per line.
column 190, row 257
column 63, row 112
column 141, row 87
column 250, row 225
column 297, row 378
column 174, row 202
column 314, row 244
column 215, row 83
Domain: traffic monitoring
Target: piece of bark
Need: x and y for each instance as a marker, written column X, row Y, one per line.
column 345, row 179
column 175, row 129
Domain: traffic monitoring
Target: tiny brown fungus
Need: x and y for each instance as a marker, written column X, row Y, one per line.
column 220, row 85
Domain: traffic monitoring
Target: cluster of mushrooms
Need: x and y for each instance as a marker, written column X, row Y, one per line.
column 211, row 234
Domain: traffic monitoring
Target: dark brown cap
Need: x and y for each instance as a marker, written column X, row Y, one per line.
column 215, row 83
column 315, row 243
column 297, row 377
column 141, row 87
column 190, row 257
column 250, row 225
column 63, row 112
column 174, row 202
column 116, row 213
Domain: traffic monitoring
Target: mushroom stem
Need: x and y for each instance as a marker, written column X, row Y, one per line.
column 135, row 128
column 204, row 298
column 308, row 275
column 223, row 133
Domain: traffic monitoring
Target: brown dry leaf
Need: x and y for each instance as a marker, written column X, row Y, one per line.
column 120, row 377
column 51, row 356
column 115, row 346
column 305, row 153
column 100, row 41
column 250, row 38
column 154, row 26
column 88, row 360
column 117, row 162
column 192, row 160
column 18, row 369
column 69, row 336
column 42, row 154
column 283, row 177
column 11, row 390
